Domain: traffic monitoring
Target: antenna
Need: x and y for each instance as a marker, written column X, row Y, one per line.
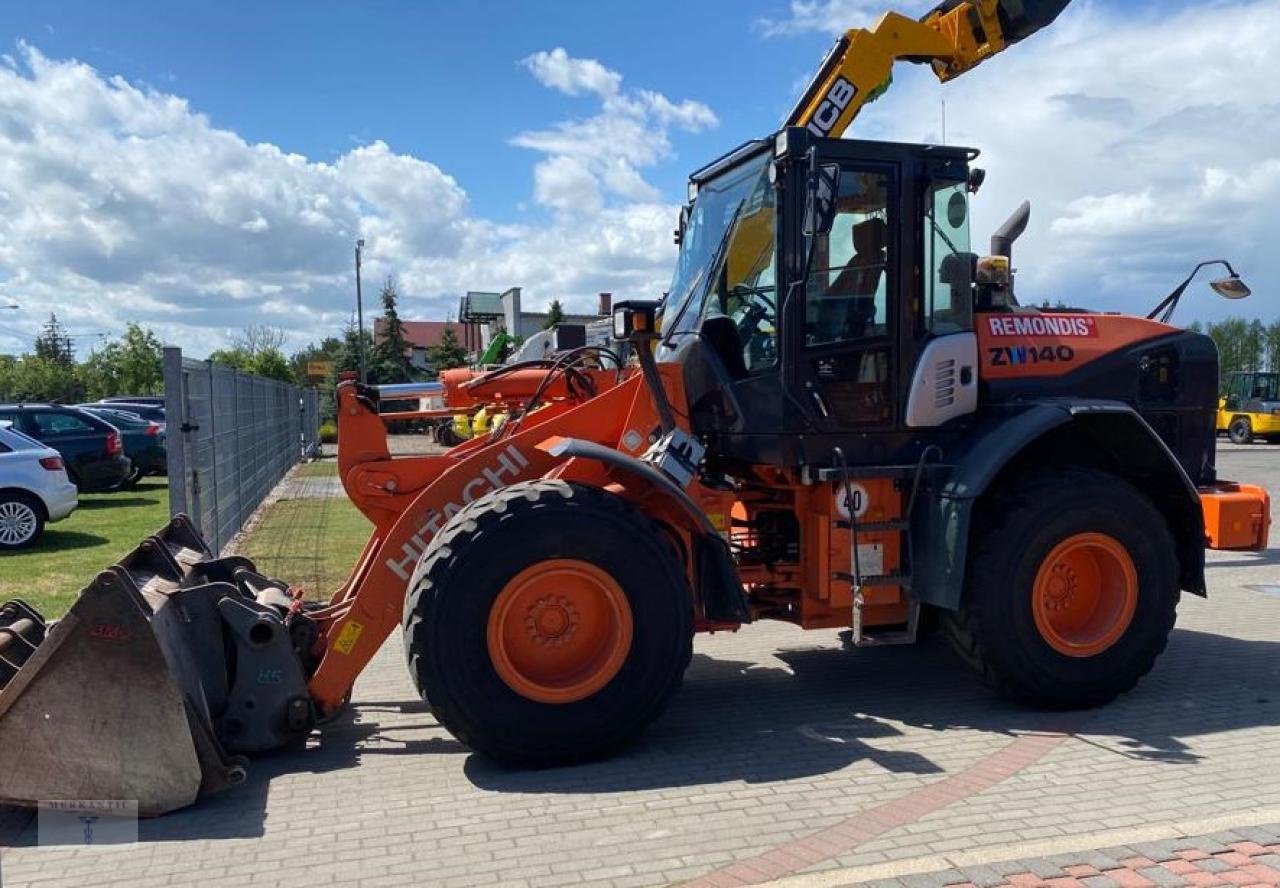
column 944, row 121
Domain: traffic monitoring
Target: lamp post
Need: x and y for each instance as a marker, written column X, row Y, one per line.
column 360, row 356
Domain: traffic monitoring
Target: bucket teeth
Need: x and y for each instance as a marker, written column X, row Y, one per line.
column 163, row 668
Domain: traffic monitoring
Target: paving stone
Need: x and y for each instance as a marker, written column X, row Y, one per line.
column 1162, row 876
column 983, row 876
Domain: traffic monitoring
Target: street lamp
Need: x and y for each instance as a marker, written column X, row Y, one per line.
column 360, row 357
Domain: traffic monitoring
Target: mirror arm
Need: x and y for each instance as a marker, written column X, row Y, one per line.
column 1170, row 302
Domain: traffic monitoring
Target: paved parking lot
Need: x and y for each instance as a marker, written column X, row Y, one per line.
column 784, row 757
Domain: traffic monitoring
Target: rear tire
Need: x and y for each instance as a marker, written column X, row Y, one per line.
column 1004, row 628
column 513, row 699
column 21, row 521
column 1240, row 431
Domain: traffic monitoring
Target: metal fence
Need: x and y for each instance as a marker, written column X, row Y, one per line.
column 232, row 436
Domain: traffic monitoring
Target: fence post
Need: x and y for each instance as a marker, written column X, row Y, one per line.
column 175, row 409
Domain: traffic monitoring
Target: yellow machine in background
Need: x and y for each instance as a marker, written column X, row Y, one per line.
column 1250, row 407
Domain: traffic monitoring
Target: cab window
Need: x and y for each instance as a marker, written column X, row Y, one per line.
column 847, row 292
column 948, row 300
column 746, row 285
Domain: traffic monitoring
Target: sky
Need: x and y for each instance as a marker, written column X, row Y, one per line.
column 202, row 167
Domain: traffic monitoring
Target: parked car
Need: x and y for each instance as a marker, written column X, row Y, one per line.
column 153, row 400
column 34, row 489
column 144, row 441
column 146, row 411
column 91, row 449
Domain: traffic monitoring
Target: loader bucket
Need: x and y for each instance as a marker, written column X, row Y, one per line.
column 167, row 664
column 1019, row 19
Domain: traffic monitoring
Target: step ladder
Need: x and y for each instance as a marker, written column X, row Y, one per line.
column 860, row 635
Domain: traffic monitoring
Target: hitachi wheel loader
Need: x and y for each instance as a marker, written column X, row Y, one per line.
column 840, row 417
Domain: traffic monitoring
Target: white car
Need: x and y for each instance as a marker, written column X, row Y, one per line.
column 34, row 488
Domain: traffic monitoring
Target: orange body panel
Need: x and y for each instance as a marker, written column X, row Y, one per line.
column 807, row 592
column 408, row 499
column 1236, row 516
column 1018, row 345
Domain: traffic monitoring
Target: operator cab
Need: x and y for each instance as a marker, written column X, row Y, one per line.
column 814, row 276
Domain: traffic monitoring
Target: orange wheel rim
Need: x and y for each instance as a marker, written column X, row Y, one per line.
column 559, row 631
column 1085, row 594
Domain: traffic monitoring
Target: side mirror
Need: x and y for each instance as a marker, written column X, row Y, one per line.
column 682, row 224
column 977, row 176
column 1231, row 288
column 820, row 206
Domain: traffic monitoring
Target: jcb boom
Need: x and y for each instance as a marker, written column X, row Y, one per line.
column 839, row 418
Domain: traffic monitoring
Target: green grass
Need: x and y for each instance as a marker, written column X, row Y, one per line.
column 312, row 543
column 102, row 529
column 324, row 468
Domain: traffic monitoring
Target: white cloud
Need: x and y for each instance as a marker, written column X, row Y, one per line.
column 602, row 155
column 119, row 202
column 835, row 16
column 573, row 76
column 1145, row 141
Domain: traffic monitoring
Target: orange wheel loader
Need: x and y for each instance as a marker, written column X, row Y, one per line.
column 839, row 417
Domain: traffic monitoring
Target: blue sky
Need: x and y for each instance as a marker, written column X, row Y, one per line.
column 200, row 167
column 437, row 80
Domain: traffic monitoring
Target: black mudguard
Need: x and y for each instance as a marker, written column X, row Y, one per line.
column 941, row 519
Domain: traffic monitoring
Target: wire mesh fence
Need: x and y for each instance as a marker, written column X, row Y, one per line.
column 232, row 437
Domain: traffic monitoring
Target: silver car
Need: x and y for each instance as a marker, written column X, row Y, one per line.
column 34, row 489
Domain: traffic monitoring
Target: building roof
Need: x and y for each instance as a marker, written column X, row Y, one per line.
column 419, row 334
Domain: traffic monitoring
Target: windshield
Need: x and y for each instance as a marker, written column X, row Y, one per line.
column 1266, row 386
column 719, row 205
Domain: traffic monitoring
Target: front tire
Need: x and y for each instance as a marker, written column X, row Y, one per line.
column 549, row 623
column 1072, row 590
column 1240, row 431
column 21, row 521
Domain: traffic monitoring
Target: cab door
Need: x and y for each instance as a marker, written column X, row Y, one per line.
column 881, row 317
column 844, row 314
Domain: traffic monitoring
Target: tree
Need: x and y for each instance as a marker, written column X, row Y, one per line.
column 130, row 365
column 257, row 338
column 555, row 315
column 328, row 350
column 449, row 353
column 257, row 350
column 389, row 364
column 272, row 364
column 1273, row 346
column 235, row 357
column 53, row 343
column 35, row 378
column 349, row 355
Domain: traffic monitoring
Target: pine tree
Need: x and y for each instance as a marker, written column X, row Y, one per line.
column 449, row 353
column 54, row 345
column 555, row 315
column 390, row 363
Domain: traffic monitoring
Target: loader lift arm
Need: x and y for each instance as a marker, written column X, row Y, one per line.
column 953, row 38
